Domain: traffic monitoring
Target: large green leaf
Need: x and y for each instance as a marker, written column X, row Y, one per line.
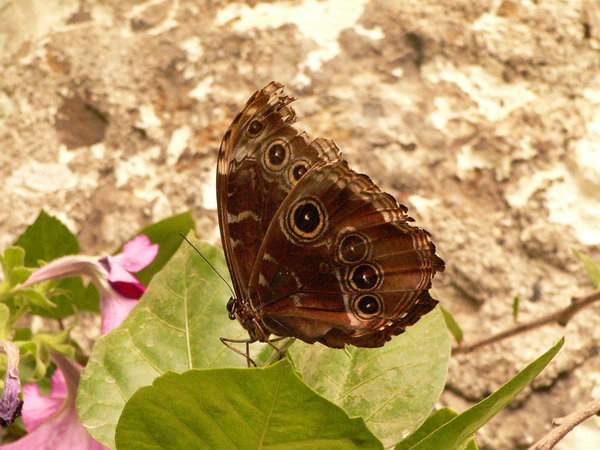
column 222, row 409
column 394, row 387
column 45, row 240
column 176, row 326
column 167, row 234
column 457, row 431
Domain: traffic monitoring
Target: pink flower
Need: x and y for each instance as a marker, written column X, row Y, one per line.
column 112, row 275
column 52, row 421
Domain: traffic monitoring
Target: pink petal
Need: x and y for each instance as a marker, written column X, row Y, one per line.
column 67, row 266
column 38, row 408
column 124, row 283
column 114, row 309
column 52, row 421
column 64, row 431
column 136, row 254
column 58, row 385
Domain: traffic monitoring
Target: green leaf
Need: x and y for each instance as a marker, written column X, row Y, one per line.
column 452, row 325
column 175, row 326
column 454, row 433
column 12, row 268
column 516, row 302
column 394, row 387
column 46, row 239
column 237, row 408
column 13, row 257
column 166, row 234
column 90, row 301
column 35, row 298
column 4, row 320
column 33, row 363
column 591, row 268
column 433, row 422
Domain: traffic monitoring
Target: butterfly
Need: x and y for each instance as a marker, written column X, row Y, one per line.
column 315, row 250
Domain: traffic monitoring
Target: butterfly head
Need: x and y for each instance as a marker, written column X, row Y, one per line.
column 231, row 308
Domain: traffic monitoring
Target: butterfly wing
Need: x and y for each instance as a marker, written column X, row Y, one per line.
column 262, row 156
column 341, row 264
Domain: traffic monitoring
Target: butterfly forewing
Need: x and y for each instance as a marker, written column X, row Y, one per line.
column 261, row 158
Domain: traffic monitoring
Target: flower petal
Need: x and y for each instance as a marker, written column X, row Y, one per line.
column 124, row 283
column 136, row 254
column 38, row 408
column 63, row 431
column 67, row 266
column 55, row 425
column 114, row 308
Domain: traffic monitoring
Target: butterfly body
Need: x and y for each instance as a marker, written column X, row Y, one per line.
column 316, row 251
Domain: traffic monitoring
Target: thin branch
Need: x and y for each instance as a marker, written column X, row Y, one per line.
column 564, row 425
column 560, row 317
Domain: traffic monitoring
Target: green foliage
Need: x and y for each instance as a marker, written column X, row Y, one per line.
column 46, row 239
column 179, row 321
column 591, row 268
column 43, row 241
column 433, row 422
column 454, row 434
column 452, row 325
column 176, row 326
column 12, row 263
column 515, row 307
column 4, row 321
column 237, row 408
column 34, row 350
column 362, row 398
column 394, row 387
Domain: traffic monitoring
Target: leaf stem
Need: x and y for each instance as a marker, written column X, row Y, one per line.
column 561, row 317
column 564, row 425
column 276, row 353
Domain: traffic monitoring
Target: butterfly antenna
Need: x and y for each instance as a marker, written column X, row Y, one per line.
column 208, row 262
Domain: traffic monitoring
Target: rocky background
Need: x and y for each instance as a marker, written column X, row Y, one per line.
column 483, row 116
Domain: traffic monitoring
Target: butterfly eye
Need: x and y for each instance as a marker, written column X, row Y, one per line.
column 255, row 128
column 231, row 307
column 367, row 306
column 297, row 170
column 352, row 249
column 306, row 220
column 276, row 156
column 365, row 277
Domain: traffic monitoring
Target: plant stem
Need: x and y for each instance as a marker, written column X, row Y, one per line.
column 277, row 353
column 561, row 317
column 564, row 425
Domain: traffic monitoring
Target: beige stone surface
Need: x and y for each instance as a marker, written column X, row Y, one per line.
column 482, row 116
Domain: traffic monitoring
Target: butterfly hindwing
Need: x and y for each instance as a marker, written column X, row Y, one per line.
column 341, row 262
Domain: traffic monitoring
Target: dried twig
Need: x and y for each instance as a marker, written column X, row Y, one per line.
column 561, row 317
column 565, row 424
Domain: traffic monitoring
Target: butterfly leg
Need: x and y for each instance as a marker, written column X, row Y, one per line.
column 227, row 342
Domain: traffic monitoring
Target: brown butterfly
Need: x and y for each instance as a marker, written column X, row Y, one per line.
column 315, row 250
